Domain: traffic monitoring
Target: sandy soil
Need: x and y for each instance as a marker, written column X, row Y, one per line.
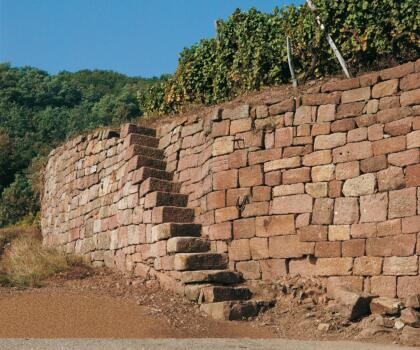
column 89, row 303
column 105, row 305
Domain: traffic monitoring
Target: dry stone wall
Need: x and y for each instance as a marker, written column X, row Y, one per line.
column 326, row 183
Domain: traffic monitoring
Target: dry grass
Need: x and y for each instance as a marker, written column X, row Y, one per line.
column 25, row 262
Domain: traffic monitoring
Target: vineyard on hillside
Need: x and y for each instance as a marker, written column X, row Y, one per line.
column 249, row 49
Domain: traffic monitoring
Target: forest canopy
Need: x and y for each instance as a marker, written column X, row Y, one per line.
column 38, row 111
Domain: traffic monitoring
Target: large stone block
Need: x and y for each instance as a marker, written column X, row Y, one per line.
column 295, row 204
column 274, row 225
column 402, row 203
column 346, row 211
column 289, row 247
column 374, row 208
column 359, row 186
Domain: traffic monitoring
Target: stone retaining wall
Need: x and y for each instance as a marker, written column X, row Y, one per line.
column 326, row 183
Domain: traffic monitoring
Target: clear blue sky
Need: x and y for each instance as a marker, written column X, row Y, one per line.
column 135, row 37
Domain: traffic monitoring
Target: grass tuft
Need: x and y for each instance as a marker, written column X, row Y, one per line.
column 25, row 262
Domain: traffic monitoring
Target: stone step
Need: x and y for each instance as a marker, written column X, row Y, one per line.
column 152, row 184
column 144, row 151
column 139, row 139
column 211, row 276
column 172, row 229
column 159, row 198
column 200, row 261
column 216, row 294
column 172, row 214
column 187, row 245
column 145, row 173
column 140, row 161
column 130, row 128
column 231, row 310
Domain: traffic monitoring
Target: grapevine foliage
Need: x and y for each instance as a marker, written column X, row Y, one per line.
column 249, row 49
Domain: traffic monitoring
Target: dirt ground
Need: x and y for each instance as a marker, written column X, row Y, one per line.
column 102, row 304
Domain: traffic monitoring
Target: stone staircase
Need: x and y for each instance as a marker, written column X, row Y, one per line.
column 202, row 275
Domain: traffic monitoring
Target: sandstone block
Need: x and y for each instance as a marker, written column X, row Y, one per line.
column 251, row 176
column 373, row 164
column 353, row 248
column 226, row 214
column 283, row 163
column 273, row 269
column 346, row 211
column 413, row 139
column 304, row 115
column 244, row 228
column 353, row 151
column 409, row 98
column 283, row 137
column 275, row 225
column 363, row 230
column 391, row 178
column 225, row 179
column 359, row 186
column 398, row 71
column 334, row 188
column 401, row 266
column 333, row 266
column 411, row 156
column 317, row 189
column 343, row 125
column 356, row 135
column 239, row 250
column 223, row 145
column 250, row 270
column 215, row 200
column 327, row 249
column 289, row 247
column 300, row 203
column 340, row 85
column 323, row 211
column 384, row 286
column 391, row 145
column 220, row 231
column 326, row 113
column 298, row 175
column 410, row 82
column 385, row 88
column 287, row 190
column 317, row 158
column 240, row 125
column 385, row 306
column 411, row 224
column 344, row 171
column 402, row 203
column 350, row 110
column 360, row 94
column 312, row 233
column 400, row 245
column 330, row 141
column 236, row 113
column 407, row 286
column 323, row 173
column 389, row 228
column 338, row 232
column 373, row 208
column 259, row 248
column 367, row 266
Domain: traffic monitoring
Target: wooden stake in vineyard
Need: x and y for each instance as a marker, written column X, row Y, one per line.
column 330, row 40
column 289, row 59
